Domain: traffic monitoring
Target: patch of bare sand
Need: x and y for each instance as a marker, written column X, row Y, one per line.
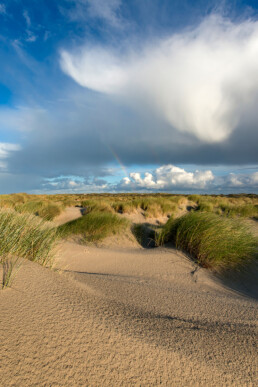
column 138, row 217
column 70, row 213
column 124, row 317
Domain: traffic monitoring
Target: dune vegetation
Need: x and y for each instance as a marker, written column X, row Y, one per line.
column 94, row 226
column 212, row 240
column 24, row 236
column 26, row 232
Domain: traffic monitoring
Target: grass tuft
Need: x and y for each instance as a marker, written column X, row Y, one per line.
column 94, row 226
column 23, row 236
column 26, row 236
column 10, row 267
column 97, row 206
column 213, row 241
column 44, row 209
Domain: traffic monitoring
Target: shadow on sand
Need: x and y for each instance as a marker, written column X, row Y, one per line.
column 145, row 234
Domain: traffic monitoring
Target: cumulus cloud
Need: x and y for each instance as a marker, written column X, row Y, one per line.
column 200, row 81
column 174, row 179
column 244, row 181
column 168, row 177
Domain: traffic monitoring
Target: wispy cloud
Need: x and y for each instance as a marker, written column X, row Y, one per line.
column 31, row 37
column 107, row 10
column 5, row 152
column 27, row 18
column 201, row 81
column 103, row 10
column 2, row 9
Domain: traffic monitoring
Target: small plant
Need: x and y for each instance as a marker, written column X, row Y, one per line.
column 10, row 267
column 97, row 206
column 145, row 234
column 194, row 198
column 49, row 211
column 205, row 206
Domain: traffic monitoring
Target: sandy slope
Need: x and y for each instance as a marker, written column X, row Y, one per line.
column 124, row 317
column 70, row 213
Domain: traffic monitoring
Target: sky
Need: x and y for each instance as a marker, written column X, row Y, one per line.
column 128, row 96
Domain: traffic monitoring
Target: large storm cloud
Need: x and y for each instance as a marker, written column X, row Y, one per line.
column 190, row 97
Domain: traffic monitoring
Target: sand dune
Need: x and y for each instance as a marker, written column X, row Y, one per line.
column 128, row 316
column 70, row 213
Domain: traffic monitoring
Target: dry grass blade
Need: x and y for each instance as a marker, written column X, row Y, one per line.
column 10, row 267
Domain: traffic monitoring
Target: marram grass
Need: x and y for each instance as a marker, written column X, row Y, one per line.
column 213, row 241
column 26, row 236
column 10, row 267
column 44, row 209
column 94, row 226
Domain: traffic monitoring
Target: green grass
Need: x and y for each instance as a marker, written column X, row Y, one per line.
column 194, row 198
column 97, row 206
column 44, row 209
column 213, row 241
column 24, row 236
column 145, row 234
column 94, row 226
column 124, row 207
column 205, row 206
column 247, row 210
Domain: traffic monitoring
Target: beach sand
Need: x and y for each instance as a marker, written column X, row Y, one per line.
column 123, row 316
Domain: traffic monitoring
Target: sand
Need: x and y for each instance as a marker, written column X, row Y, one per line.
column 70, row 213
column 125, row 316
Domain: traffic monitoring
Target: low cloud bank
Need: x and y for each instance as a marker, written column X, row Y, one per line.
column 202, row 81
column 167, row 178
column 172, row 178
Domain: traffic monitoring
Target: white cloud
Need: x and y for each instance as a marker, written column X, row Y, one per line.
column 172, row 178
column 168, row 177
column 2, row 9
column 69, row 185
column 27, row 18
column 5, row 150
column 233, row 180
column 31, row 37
column 106, row 10
column 88, row 69
column 201, row 81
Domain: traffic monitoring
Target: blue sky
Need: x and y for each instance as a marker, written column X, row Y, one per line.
column 112, row 95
